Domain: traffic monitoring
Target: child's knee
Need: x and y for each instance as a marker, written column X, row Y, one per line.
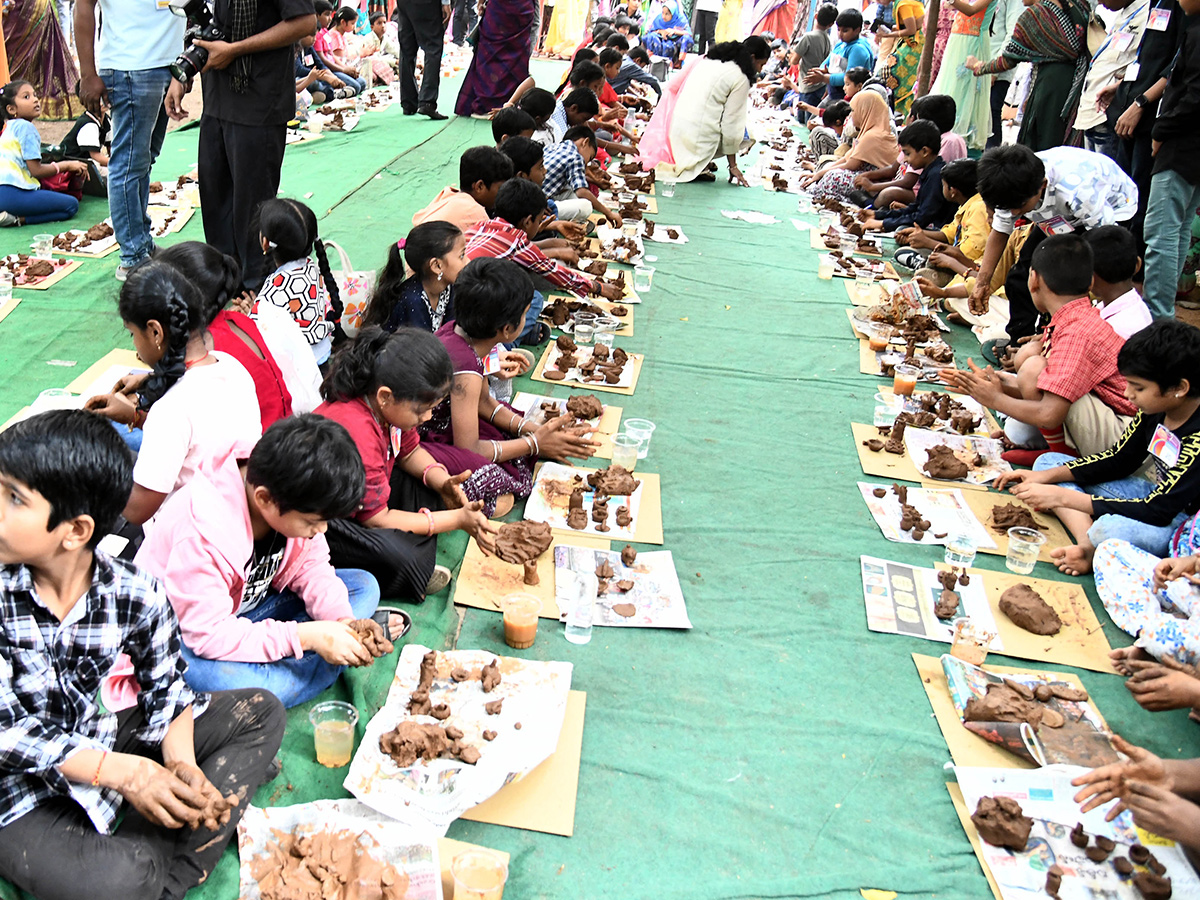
column 363, row 589
column 139, row 872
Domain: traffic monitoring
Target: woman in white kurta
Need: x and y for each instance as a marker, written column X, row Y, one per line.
column 702, row 114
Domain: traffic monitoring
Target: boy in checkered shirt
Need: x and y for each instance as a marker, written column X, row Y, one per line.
column 96, row 721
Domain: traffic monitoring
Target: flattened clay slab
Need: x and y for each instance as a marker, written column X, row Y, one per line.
column 1025, row 607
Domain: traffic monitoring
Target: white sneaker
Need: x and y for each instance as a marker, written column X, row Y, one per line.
column 123, row 273
column 438, row 580
column 7, row 219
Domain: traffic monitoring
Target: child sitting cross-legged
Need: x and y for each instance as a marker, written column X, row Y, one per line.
column 529, row 162
column 471, row 432
column 825, row 138
column 1104, row 496
column 921, row 141
column 24, row 197
column 481, row 172
column 242, row 555
column 565, row 181
column 381, row 387
column 435, row 252
column 1116, row 261
column 940, row 254
column 101, row 805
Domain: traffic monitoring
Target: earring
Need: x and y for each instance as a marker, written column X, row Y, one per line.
column 439, row 277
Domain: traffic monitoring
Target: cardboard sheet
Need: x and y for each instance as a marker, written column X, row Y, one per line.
column 544, row 800
column 871, row 296
column 19, row 416
column 626, row 329
column 981, row 504
column 166, row 220
column 50, row 280
column 964, row 816
column 609, row 424
column 967, row 748
column 648, row 527
column 447, row 850
column 119, row 357
column 8, row 306
column 483, row 580
column 868, row 364
column 882, row 464
column 635, row 360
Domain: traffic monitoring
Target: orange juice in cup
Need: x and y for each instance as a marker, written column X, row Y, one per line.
column 905, row 380
column 520, row 619
column 478, row 875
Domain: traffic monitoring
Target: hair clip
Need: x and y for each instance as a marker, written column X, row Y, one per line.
column 400, row 244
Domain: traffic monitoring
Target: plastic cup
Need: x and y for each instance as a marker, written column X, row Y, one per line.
column 584, row 333
column 804, row 204
column 905, row 380
column 864, row 283
column 606, row 329
column 625, row 450
column 360, row 104
column 960, row 550
column 478, row 875
column 43, row 246
column 1024, row 545
column 6, row 283
column 333, row 732
column 878, row 337
column 848, row 245
column 826, row 218
column 604, row 337
column 643, row 277
column 825, row 267
column 643, row 430
column 629, row 228
column 316, row 124
column 520, row 619
column 586, row 318
column 394, row 87
column 668, row 188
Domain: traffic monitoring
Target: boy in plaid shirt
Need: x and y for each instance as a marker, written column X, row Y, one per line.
column 565, row 181
column 80, row 632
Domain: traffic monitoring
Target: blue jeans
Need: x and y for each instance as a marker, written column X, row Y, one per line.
column 293, row 681
column 131, row 436
column 355, row 84
column 1168, row 232
column 1151, row 538
column 139, row 124
column 38, row 205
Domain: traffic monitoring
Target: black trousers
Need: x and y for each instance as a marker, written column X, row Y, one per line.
column 400, row 560
column 238, row 170
column 465, row 18
column 706, row 30
column 55, row 852
column 420, row 26
column 1135, row 159
column 999, row 92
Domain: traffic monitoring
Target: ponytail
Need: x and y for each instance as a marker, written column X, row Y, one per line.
column 743, row 53
column 159, row 292
column 290, row 227
column 411, row 363
column 216, row 275
column 388, row 286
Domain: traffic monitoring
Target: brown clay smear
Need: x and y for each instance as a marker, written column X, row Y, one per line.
column 325, row 866
column 520, row 542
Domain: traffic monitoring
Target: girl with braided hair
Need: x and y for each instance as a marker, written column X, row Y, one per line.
column 195, row 409
column 303, row 287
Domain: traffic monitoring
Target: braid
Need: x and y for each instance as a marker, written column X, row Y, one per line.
column 171, row 367
column 331, row 288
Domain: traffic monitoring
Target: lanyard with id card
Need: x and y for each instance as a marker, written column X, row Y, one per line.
column 1164, row 446
column 161, row 5
column 1159, row 19
column 1057, row 225
column 491, row 363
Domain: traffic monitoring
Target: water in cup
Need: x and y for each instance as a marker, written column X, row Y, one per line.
column 583, row 334
column 960, row 550
column 43, row 246
column 904, row 381
column 668, row 188
column 585, row 588
column 1024, row 545
column 478, row 875
column 642, row 430
column 643, row 277
column 625, row 451
column 825, row 267
column 333, row 732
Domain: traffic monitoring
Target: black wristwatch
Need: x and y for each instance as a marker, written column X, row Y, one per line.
column 1141, row 101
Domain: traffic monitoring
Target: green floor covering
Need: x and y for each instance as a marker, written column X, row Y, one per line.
column 778, row 749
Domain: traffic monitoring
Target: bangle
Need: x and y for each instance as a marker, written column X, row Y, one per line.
column 537, row 451
column 495, row 451
column 492, row 417
column 432, row 465
column 56, row 168
column 96, row 777
column 429, row 517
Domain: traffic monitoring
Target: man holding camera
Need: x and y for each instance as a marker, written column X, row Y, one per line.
column 129, row 74
column 249, row 97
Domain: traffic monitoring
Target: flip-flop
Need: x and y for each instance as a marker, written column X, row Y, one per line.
column 382, row 613
column 993, row 350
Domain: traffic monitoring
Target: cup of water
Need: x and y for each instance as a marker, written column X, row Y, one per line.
column 804, row 204
column 333, row 732
column 625, row 450
column 643, row 277
column 584, row 333
column 315, row 123
column 1024, row 545
column 960, row 550
column 360, row 103
column 668, row 187
column 864, row 283
column 629, row 228
column 606, row 329
column 825, row 267
column 43, row 246
column 848, row 245
column 826, row 218
column 642, row 430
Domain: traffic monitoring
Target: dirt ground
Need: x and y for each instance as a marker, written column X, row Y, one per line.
column 53, row 132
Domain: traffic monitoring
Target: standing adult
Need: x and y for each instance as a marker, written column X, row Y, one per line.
column 1050, row 34
column 466, row 16
column 1175, row 186
column 421, row 23
column 249, row 97
column 1116, row 54
column 969, row 37
column 501, row 60
column 898, row 69
column 775, row 16
column 128, row 72
column 705, row 31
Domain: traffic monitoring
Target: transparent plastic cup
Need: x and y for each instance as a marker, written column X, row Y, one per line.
column 864, row 283
column 333, row 732
column 960, row 550
column 825, row 267
column 606, row 330
column 643, row 430
column 878, row 337
column 905, row 380
column 625, row 450
column 42, row 246
column 848, row 245
column 1024, row 545
column 643, row 277
column 478, row 875
column 668, row 188
column 520, row 619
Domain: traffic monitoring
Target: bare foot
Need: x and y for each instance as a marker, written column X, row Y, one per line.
column 1074, row 560
column 1122, row 656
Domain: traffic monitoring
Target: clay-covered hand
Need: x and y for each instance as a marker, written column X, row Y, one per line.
column 980, row 298
column 930, row 289
column 572, row 231
column 1040, row 496
column 614, row 218
column 156, row 792
column 568, row 255
column 983, row 385
column 1163, row 812
column 1157, row 686
column 556, row 441
column 129, row 384
column 513, row 362
column 217, row 809
column 118, row 407
column 610, row 291
column 1174, row 568
column 1107, row 783
column 334, row 642
column 861, row 180
column 452, row 493
column 472, row 520
column 371, row 634
column 1013, row 478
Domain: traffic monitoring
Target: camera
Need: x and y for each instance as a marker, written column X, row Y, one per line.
column 199, row 27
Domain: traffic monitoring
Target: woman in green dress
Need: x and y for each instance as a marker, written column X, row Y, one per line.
column 968, row 40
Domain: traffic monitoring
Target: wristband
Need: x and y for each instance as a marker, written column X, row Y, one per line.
column 96, row 777
column 429, row 518
column 57, row 170
column 432, row 465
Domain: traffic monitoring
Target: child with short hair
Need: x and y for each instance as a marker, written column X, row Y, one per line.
column 303, row 286
column 1078, row 401
column 1104, row 495
column 471, row 432
column 921, row 143
column 241, row 554
column 481, row 172
column 955, row 249
column 512, row 121
column 381, row 387
column 435, row 252
column 90, row 138
column 576, row 108
column 197, row 407
column 540, row 104
column 24, row 200
column 528, row 159
column 565, row 181
column 825, row 138
column 112, row 795
column 1115, row 250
